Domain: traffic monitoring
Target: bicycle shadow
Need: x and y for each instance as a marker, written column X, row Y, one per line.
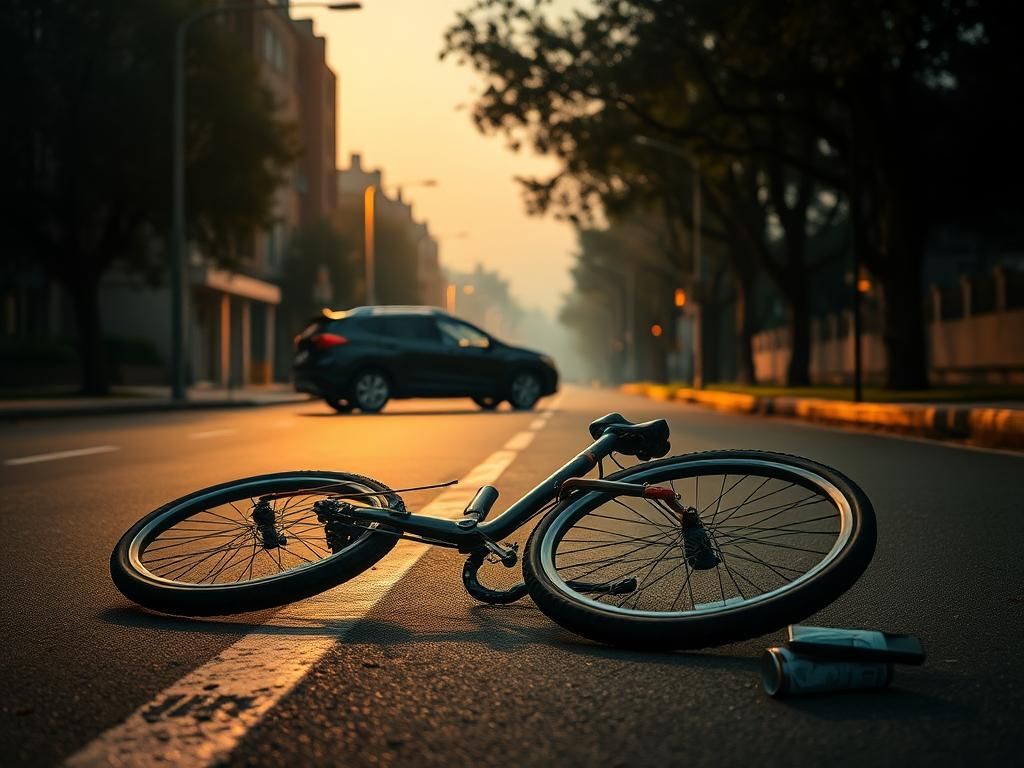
column 496, row 628
column 418, row 412
column 520, row 627
column 900, row 701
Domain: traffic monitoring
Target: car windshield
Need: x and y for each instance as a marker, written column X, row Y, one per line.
column 456, row 334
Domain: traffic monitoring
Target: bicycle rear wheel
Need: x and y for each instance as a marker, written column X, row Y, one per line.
column 779, row 537
column 220, row 551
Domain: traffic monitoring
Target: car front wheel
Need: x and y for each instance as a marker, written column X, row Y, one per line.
column 524, row 391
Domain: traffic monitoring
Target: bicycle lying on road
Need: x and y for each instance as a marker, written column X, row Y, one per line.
column 683, row 552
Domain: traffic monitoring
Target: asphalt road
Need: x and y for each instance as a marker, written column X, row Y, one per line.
column 429, row 677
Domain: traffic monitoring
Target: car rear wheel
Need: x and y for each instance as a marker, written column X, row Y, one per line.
column 341, row 406
column 487, row 403
column 524, row 391
column 370, row 391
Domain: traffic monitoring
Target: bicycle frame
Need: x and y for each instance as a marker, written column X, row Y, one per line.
column 446, row 531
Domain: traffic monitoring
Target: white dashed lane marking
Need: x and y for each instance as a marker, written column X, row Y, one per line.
column 60, row 455
column 200, row 719
column 520, row 442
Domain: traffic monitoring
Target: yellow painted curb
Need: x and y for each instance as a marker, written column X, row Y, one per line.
column 998, row 427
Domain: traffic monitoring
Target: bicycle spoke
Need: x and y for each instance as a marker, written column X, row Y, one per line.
column 303, row 543
column 640, row 584
column 795, row 522
column 605, row 559
column 648, row 540
column 734, row 510
column 222, row 544
column 638, row 514
column 758, row 561
column 774, row 544
column 686, row 585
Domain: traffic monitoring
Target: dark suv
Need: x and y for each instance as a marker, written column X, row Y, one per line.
column 363, row 357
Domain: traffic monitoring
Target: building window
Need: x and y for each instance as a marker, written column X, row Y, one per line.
column 273, row 50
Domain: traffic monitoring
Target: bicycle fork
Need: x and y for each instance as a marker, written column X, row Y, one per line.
column 698, row 550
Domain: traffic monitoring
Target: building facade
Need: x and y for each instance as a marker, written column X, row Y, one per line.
column 236, row 335
column 406, row 254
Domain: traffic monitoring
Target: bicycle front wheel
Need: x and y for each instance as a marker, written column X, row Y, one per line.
column 769, row 540
column 250, row 544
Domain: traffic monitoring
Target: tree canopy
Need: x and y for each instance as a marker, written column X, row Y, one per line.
column 804, row 116
column 87, row 137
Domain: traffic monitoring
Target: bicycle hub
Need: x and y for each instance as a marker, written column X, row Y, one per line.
column 265, row 518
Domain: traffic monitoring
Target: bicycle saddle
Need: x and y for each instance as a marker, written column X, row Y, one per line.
column 648, row 440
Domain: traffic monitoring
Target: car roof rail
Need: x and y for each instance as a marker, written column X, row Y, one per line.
column 386, row 309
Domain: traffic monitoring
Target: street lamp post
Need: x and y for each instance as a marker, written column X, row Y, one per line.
column 694, row 303
column 179, row 264
column 369, row 243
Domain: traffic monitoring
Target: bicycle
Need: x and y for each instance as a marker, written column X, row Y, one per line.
column 682, row 552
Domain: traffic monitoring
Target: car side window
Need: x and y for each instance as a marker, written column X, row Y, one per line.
column 402, row 327
column 456, row 334
column 417, row 327
column 377, row 326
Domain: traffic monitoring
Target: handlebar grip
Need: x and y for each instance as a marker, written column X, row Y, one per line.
column 482, row 502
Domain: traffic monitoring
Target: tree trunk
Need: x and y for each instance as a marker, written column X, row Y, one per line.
column 745, row 325
column 91, row 348
column 709, row 329
column 798, row 372
column 903, row 318
column 904, row 239
column 892, row 182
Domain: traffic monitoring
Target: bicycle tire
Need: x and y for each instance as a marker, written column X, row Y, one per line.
column 580, row 614
column 141, row 586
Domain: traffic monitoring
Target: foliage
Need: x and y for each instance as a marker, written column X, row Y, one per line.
column 86, row 139
column 397, row 261
column 490, row 304
column 321, row 269
column 806, row 117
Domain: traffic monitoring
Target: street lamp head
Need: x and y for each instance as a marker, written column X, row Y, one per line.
column 344, row 6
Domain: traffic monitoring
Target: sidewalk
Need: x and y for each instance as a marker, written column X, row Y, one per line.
column 998, row 425
column 145, row 400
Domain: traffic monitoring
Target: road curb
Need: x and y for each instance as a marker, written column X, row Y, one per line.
column 120, row 408
column 993, row 427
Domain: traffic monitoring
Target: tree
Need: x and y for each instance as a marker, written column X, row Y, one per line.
column 86, row 138
column 397, row 261
column 860, row 102
column 320, row 270
column 585, row 89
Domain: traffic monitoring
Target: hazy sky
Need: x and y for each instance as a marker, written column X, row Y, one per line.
column 399, row 108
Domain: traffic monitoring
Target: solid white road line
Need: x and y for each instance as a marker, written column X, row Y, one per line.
column 200, row 719
column 211, row 433
column 60, row 455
